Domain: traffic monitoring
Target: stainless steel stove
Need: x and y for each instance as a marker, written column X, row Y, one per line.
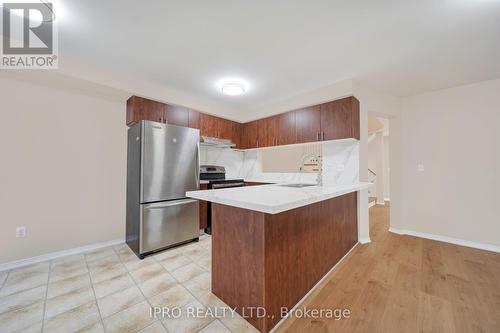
column 216, row 177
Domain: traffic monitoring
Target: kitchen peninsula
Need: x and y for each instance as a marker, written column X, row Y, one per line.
column 271, row 244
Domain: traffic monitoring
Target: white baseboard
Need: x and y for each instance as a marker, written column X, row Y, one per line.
column 58, row 254
column 371, row 204
column 387, row 199
column 365, row 240
column 456, row 241
column 382, row 203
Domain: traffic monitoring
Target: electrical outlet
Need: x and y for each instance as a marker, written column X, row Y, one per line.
column 21, row 232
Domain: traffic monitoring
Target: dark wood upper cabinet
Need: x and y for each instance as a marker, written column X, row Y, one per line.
column 208, row 125
column 237, row 130
column 250, row 135
column 139, row 108
column 194, row 119
column 277, row 130
column 286, row 133
column 340, row 119
column 177, row 115
column 308, row 124
column 355, row 119
column 334, row 120
column 268, row 130
column 221, row 128
column 225, row 129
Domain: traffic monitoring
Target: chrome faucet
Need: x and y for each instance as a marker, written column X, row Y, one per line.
column 319, row 177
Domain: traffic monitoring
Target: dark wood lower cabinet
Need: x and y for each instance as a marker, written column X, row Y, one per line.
column 273, row 260
column 203, row 209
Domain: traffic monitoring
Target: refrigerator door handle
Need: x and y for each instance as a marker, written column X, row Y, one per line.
column 197, row 171
column 169, row 203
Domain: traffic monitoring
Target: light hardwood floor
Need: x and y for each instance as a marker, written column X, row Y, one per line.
column 408, row 284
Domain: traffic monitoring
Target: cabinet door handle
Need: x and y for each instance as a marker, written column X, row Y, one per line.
column 317, row 136
column 323, row 136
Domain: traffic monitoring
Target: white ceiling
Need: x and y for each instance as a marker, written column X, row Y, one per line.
column 402, row 47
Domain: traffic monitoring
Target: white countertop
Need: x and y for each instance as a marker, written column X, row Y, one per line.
column 273, row 199
column 257, row 180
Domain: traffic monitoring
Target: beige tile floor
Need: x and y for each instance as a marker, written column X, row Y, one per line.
column 111, row 290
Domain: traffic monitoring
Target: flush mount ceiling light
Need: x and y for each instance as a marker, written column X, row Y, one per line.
column 233, row 89
column 233, row 86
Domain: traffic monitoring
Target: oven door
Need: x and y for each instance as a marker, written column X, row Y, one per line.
column 216, row 186
column 226, row 185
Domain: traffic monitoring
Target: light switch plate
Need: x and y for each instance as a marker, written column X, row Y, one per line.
column 421, row 167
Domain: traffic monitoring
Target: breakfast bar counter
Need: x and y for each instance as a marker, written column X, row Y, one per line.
column 271, row 244
column 275, row 198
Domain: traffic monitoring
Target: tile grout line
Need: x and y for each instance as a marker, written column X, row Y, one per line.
column 140, row 290
column 93, row 290
column 189, row 291
column 5, row 281
column 26, row 305
column 46, row 294
column 206, row 271
column 210, row 291
column 121, row 260
column 178, row 282
column 209, row 272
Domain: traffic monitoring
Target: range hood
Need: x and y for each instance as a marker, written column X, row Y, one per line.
column 216, row 142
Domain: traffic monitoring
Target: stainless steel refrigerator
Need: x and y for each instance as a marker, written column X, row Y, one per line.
column 162, row 164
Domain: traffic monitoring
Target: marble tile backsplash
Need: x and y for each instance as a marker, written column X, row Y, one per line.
column 340, row 164
column 231, row 159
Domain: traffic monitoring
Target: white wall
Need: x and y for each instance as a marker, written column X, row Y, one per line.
column 387, row 168
column 455, row 134
column 372, row 163
column 62, row 170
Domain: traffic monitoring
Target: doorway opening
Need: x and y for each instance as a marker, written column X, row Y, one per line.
column 378, row 160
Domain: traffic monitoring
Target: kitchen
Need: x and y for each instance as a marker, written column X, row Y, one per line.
column 241, row 168
column 153, row 225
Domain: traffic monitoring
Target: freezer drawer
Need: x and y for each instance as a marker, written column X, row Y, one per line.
column 164, row 224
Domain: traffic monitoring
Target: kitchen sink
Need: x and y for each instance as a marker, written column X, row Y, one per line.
column 297, row 185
